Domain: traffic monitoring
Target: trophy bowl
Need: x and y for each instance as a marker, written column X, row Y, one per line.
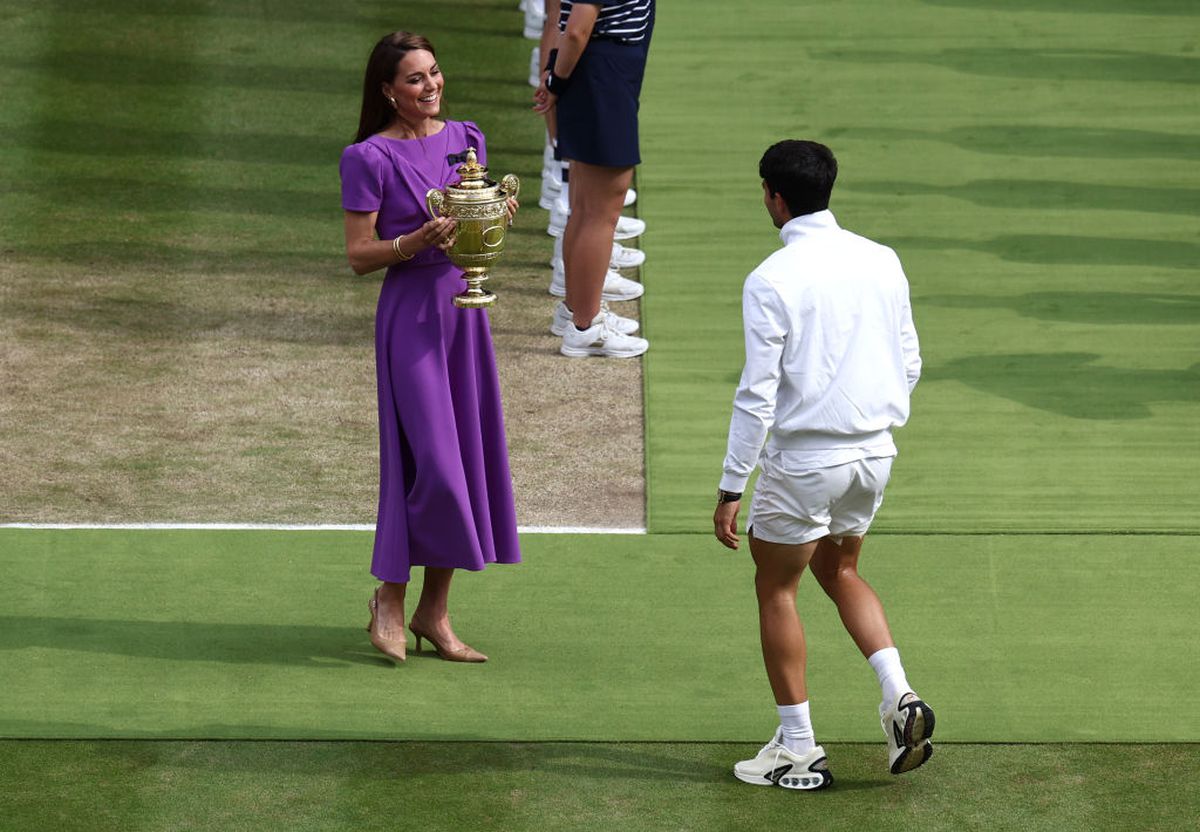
column 479, row 207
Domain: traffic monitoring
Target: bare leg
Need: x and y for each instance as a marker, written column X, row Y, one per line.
column 390, row 615
column 836, row 569
column 433, row 612
column 597, row 196
column 779, row 567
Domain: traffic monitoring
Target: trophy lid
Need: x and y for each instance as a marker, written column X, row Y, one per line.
column 472, row 175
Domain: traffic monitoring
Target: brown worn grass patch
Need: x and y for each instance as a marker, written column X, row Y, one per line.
column 194, row 387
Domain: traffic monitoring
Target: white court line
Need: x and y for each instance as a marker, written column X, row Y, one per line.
column 333, row 527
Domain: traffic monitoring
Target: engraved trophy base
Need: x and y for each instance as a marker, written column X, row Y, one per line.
column 474, row 296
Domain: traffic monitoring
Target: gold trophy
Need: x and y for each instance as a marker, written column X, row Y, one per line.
column 480, row 208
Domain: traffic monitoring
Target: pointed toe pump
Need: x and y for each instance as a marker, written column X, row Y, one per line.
column 392, row 648
column 462, row 654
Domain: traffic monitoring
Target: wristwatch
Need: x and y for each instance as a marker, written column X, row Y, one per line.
column 724, row 496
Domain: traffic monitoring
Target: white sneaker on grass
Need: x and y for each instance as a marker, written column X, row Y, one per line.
column 624, row 257
column 535, row 16
column 908, row 725
column 628, row 228
column 600, row 339
column 615, row 286
column 630, row 197
column 550, row 192
column 535, row 66
column 563, row 320
column 774, row 765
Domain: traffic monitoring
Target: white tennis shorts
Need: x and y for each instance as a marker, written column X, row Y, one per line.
column 799, row 505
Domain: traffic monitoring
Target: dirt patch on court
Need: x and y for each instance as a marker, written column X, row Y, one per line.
column 195, row 389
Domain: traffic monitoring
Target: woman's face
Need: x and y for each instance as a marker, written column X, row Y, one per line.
column 417, row 87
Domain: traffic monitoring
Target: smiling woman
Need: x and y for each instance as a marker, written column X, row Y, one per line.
column 445, row 492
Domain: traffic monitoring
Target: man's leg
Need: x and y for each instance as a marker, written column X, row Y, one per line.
column 835, row 566
column 907, row 721
column 792, row 759
column 777, row 575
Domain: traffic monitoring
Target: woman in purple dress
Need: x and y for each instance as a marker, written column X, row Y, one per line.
column 445, row 494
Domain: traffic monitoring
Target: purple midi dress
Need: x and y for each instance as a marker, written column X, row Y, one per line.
column 445, row 492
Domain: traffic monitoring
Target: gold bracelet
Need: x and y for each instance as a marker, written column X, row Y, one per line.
column 399, row 253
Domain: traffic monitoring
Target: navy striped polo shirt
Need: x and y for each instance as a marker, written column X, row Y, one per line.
column 626, row 21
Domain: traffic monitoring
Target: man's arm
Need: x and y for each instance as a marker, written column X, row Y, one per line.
column 765, row 322
column 909, row 344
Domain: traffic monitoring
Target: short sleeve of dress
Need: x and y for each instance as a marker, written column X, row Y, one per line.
column 362, row 178
column 476, row 139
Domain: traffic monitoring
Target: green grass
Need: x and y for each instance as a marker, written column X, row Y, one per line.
column 133, row 786
column 258, row 634
column 173, row 288
column 1033, row 164
column 168, row 182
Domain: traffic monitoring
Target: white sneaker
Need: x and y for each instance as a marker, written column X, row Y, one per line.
column 628, row 228
column 908, row 725
column 622, row 256
column 776, row 766
column 535, row 16
column 626, row 258
column 601, row 339
column 558, row 215
column 615, row 286
column 630, row 197
column 563, row 320
column 535, row 66
column 551, row 188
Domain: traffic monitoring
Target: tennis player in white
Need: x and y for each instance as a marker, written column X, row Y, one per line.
column 831, row 358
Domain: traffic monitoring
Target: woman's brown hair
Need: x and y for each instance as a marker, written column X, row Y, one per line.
column 376, row 112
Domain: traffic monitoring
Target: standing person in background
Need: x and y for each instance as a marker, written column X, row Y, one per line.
column 831, row 358
column 445, row 493
column 593, row 82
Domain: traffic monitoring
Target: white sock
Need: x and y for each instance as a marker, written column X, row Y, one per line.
column 797, row 728
column 887, row 667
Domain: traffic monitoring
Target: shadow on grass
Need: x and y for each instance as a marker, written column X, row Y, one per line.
column 1054, row 249
column 1043, row 195
column 1053, row 64
column 573, row 762
column 1072, row 384
column 1084, row 307
column 104, row 195
column 92, row 139
column 1142, row 7
column 1034, row 140
column 269, row 644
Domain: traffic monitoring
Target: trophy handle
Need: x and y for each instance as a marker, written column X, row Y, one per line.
column 434, row 199
column 511, row 186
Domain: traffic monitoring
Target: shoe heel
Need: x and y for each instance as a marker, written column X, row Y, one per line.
column 919, row 726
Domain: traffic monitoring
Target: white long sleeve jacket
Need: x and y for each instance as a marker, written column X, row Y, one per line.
column 831, row 351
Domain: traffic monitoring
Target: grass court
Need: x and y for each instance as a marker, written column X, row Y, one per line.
column 180, row 339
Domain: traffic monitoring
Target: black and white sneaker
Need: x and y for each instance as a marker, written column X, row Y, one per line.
column 774, row 765
column 908, row 725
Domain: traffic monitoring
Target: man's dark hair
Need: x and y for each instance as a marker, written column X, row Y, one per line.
column 802, row 172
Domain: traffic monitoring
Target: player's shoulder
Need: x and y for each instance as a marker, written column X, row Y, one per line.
column 868, row 246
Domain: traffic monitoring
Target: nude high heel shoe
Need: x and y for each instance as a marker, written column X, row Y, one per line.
column 391, row 648
column 464, row 654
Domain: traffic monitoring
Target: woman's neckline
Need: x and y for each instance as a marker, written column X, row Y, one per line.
column 443, row 124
